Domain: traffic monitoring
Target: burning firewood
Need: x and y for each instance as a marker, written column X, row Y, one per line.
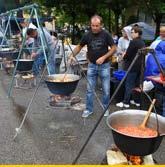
column 116, row 157
column 134, row 160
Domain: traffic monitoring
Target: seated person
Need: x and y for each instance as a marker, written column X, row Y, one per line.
column 150, row 61
column 155, row 71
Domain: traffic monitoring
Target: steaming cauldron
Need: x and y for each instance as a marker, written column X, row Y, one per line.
column 24, row 64
column 136, row 145
column 57, row 85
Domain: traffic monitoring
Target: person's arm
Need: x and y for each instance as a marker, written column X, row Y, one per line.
column 130, row 50
column 76, row 50
column 110, row 52
column 107, row 55
column 34, row 49
column 119, row 46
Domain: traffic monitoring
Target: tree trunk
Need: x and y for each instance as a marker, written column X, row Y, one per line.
column 158, row 19
column 109, row 20
column 73, row 24
column 117, row 23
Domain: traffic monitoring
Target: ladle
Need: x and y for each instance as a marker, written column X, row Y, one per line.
column 63, row 79
column 143, row 124
column 65, row 74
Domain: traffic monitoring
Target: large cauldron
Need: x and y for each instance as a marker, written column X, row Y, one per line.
column 60, row 87
column 24, row 64
column 9, row 53
column 134, row 145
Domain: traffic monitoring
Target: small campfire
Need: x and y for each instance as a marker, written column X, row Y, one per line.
column 134, row 160
column 7, row 65
column 116, row 157
column 25, row 80
column 57, row 100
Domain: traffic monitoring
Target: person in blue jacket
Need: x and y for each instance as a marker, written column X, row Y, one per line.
column 152, row 69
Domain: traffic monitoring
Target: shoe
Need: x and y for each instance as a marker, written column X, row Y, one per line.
column 134, row 103
column 106, row 113
column 86, row 113
column 121, row 105
column 126, row 105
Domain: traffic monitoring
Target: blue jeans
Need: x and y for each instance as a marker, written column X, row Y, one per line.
column 103, row 71
column 131, row 82
column 52, row 61
column 38, row 64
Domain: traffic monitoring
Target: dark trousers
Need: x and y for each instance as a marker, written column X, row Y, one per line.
column 160, row 103
column 132, row 81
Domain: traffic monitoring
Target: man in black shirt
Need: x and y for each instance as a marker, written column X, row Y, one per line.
column 98, row 42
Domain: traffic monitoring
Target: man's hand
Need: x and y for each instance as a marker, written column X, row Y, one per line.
column 123, row 54
column 100, row 60
column 71, row 57
column 33, row 55
column 71, row 60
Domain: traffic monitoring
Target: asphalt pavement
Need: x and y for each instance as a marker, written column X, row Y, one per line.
column 52, row 135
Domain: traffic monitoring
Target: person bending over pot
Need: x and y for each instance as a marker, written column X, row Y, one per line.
column 38, row 53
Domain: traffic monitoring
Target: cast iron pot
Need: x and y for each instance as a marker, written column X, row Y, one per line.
column 9, row 53
column 135, row 145
column 24, row 64
column 62, row 88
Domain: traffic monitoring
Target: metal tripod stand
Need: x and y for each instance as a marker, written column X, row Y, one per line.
column 44, row 45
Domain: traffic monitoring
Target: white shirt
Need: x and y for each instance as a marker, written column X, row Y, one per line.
column 31, row 25
column 29, row 40
column 123, row 44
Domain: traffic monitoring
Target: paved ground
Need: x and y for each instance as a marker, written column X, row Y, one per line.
column 51, row 135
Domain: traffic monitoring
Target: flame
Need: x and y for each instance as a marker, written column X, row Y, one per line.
column 57, row 98
column 134, row 160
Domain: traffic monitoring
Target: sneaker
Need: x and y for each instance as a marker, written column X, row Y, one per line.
column 86, row 113
column 121, row 105
column 106, row 113
column 126, row 105
column 134, row 103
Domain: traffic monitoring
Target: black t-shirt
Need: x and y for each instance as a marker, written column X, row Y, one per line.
column 131, row 52
column 97, row 44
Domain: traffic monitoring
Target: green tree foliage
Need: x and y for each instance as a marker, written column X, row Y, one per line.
column 156, row 8
column 113, row 11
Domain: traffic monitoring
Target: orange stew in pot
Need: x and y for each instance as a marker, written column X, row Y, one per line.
column 136, row 131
